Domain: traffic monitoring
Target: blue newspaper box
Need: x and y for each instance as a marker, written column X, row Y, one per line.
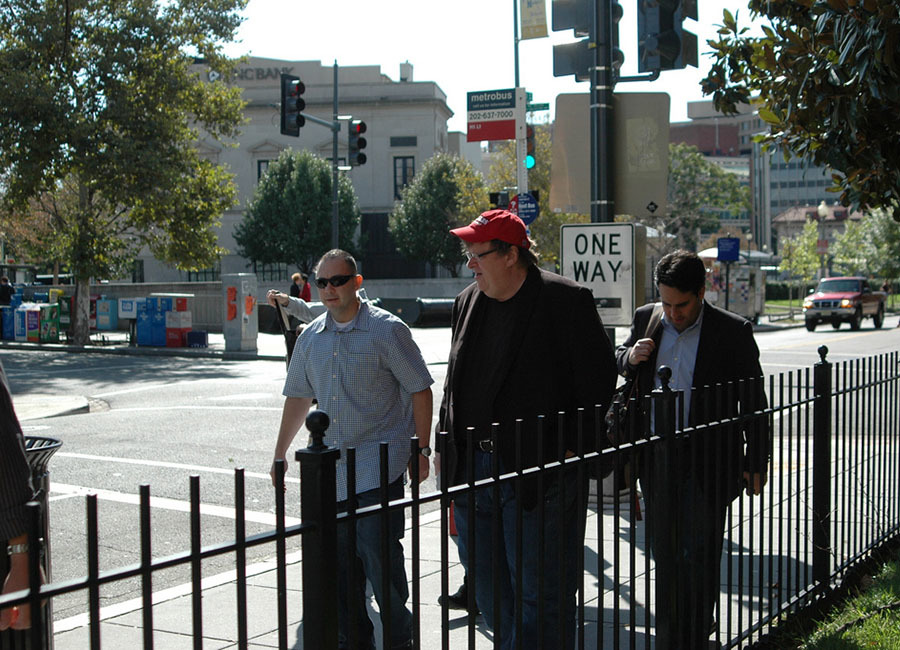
column 8, row 331
column 158, row 328
column 143, row 328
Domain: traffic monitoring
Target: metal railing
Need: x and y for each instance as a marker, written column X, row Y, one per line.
column 831, row 498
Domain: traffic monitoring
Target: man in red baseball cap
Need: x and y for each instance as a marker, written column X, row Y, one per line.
column 525, row 343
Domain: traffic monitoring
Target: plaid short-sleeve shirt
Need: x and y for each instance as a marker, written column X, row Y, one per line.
column 363, row 378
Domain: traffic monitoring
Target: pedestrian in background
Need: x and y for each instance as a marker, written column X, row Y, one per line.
column 362, row 365
column 525, row 343
column 300, row 287
column 6, row 291
column 703, row 346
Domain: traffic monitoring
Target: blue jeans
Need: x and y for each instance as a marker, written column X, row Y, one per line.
column 368, row 565
column 534, row 528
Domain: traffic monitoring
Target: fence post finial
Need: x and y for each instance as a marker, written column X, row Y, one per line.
column 823, row 352
column 665, row 375
column 316, row 422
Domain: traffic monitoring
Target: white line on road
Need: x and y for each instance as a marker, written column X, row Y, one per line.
column 164, row 503
column 162, row 463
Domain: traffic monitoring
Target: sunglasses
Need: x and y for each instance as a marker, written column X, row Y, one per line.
column 335, row 280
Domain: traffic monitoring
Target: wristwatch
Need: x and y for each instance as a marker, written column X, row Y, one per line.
column 425, row 451
column 15, row 549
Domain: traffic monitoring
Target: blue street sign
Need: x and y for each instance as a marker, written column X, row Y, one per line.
column 729, row 249
column 526, row 206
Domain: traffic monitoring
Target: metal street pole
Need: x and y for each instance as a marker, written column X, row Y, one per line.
column 602, row 84
column 335, row 132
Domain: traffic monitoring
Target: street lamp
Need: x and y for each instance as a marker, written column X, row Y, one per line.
column 822, row 246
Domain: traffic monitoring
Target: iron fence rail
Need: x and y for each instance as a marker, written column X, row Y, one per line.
column 832, row 497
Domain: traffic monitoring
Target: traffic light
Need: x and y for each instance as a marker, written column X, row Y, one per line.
column 663, row 44
column 529, row 147
column 292, row 104
column 356, row 143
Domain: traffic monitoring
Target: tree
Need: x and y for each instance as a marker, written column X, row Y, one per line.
column 288, row 220
column 798, row 255
column 853, row 252
column 869, row 246
column 698, row 190
column 825, row 76
column 100, row 111
column 447, row 193
column 502, row 175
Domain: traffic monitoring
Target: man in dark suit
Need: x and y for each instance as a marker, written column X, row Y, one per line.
column 703, row 346
column 525, row 343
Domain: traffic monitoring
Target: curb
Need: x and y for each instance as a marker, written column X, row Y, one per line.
column 141, row 351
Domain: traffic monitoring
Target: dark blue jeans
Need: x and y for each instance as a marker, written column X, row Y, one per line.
column 534, row 528
column 368, row 565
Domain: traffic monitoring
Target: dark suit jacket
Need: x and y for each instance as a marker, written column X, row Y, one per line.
column 726, row 353
column 560, row 360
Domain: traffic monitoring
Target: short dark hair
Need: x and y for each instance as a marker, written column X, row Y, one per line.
column 682, row 270
column 527, row 256
column 338, row 254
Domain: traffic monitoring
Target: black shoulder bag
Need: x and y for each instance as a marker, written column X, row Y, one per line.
column 620, row 411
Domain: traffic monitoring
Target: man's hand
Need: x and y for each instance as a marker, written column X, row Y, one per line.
column 423, row 469
column 273, row 471
column 755, row 485
column 272, row 295
column 641, row 351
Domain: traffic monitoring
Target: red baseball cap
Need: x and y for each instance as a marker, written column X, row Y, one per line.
column 495, row 224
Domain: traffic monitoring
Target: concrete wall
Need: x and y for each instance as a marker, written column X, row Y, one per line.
column 206, row 305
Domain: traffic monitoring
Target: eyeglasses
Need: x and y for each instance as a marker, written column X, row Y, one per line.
column 477, row 256
column 335, row 280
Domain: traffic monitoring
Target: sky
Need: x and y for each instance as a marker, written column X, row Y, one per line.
column 462, row 45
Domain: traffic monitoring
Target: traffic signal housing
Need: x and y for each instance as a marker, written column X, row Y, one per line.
column 356, row 143
column 292, row 104
column 530, row 159
column 663, row 43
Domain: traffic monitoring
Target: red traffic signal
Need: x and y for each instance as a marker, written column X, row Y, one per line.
column 292, row 104
column 355, row 143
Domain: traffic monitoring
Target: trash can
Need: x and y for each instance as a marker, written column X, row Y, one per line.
column 38, row 451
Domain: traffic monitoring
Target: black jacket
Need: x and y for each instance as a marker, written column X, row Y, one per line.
column 726, row 354
column 560, row 360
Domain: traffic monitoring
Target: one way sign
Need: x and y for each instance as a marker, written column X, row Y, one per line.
column 608, row 259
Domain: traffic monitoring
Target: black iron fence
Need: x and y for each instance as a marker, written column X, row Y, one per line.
column 828, row 436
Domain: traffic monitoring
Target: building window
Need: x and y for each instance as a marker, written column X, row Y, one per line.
column 137, row 271
column 271, row 272
column 404, row 170
column 211, row 274
column 262, row 166
column 404, row 141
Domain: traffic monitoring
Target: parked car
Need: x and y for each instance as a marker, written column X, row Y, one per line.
column 843, row 300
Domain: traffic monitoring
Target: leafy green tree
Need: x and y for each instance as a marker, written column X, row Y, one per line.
column 798, row 255
column 447, row 193
column 825, row 76
column 545, row 229
column 100, row 111
column 869, row 246
column 698, row 191
column 288, row 220
column 853, row 251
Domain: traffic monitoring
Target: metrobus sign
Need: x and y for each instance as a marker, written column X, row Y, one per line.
column 496, row 115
